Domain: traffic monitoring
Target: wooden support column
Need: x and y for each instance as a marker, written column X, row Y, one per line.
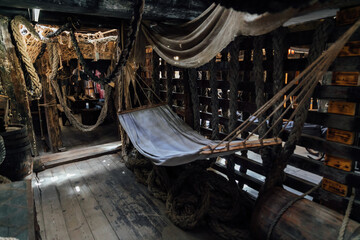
column 189, row 117
column 13, row 80
column 155, row 75
column 50, row 108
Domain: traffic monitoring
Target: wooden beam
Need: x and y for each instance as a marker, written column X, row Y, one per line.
column 240, row 145
column 50, row 108
column 121, row 9
column 56, row 159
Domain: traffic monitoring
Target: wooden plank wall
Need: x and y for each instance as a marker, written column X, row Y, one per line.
column 341, row 157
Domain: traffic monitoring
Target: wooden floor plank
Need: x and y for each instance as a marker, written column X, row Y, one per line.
column 160, row 226
column 113, row 204
column 123, row 187
column 75, row 220
column 38, row 207
column 113, row 209
column 56, row 159
column 99, row 224
column 54, row 221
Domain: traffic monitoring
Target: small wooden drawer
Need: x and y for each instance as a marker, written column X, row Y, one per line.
column 339, row 163
column 351, row 49
column 340, row 136
column 334, row 187
column 344, row 108
column 346, row 78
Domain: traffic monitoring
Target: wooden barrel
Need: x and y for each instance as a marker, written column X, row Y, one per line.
column 302, row 220
column 18, row 161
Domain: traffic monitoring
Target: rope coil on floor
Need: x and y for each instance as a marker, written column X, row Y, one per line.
column 187, row 203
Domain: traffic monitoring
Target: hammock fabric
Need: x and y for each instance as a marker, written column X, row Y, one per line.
column 195, row 43
column 159, row 134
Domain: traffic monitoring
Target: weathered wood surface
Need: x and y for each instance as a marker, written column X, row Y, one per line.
column 100, row 199
column 13, row 79
column 50, row 108
column 303, row 220
column 53, row 160
column 154, row 9
column 237, row 145
column 17, row 210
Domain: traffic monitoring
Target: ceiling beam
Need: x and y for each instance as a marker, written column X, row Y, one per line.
column 154, row 9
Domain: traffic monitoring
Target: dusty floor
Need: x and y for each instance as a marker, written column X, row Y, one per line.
column 73, row 138
column 100, row 199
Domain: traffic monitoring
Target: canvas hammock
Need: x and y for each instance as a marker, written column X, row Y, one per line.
column 196, row 42
column 159, row 134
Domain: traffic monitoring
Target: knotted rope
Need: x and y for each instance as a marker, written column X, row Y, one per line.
column 2, row 150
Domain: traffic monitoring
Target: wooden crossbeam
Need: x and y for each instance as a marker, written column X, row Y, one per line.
column 240, row 145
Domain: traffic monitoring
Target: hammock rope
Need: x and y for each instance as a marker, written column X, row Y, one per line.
column 54, row 62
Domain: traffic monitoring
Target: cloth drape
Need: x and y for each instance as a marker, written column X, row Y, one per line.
column 160, row 135
column 195, row 43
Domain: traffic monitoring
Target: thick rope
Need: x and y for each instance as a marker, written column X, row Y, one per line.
column 129, row 43
column 192, row 72
column 35, row 88
column 54, row 63
column 159, row 183
column 347, row 215
column 187, row 203
column 227, row 232
column 214, row 101
column 2, row 150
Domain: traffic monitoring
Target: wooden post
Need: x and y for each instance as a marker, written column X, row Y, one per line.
column 189, row 117
column 13, row 80
column 50, row 108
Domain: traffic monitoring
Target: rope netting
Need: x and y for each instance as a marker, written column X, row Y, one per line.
column 35, row 88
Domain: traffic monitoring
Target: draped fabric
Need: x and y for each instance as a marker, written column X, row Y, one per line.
column 159, row 134
column 195, row 43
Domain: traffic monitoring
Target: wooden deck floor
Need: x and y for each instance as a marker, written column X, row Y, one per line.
column 100, row 199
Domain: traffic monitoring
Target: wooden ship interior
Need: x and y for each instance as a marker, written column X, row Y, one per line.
column 180, row 119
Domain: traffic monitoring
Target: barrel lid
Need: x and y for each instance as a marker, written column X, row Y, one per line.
column 13, row 129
